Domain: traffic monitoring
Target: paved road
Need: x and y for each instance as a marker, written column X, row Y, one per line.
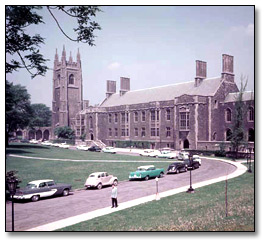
column 33, row 214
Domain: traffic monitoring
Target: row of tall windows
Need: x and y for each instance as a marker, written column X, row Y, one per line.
column 250, row 114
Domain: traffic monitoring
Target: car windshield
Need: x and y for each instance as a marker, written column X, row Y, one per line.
column 91, row 175
column 141, row 169
column 31, row 186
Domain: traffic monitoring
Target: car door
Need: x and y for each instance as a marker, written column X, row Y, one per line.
column 54, row 189
column 43, row 190
column 107, row 178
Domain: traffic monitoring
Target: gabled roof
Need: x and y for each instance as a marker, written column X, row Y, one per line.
column 232, row 97
column 164, row 93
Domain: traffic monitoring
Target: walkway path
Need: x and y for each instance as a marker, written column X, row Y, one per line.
column 240, row 169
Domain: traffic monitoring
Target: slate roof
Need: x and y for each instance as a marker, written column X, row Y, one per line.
column 232, row 97
column 163, row 93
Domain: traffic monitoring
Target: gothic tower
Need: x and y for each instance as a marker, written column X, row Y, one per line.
column 67, row 90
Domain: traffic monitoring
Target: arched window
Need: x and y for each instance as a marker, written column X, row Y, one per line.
column 58, row 79
column 251, row 135
column 228, row 115
column 91, row 122
column 251, row 114
column 228, row 134
column 71, row 79
column 215, row 136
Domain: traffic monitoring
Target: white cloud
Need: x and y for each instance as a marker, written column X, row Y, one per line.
column 113, row 66
column 247, row 30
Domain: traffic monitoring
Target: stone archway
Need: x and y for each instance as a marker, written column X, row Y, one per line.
column 186, row 144
column 46, row 135
column 38, row 134
column 91, row 136
column 31, row 134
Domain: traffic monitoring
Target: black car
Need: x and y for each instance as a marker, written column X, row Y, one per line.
column 177, row 167
column 194, row 164
column 94, row 149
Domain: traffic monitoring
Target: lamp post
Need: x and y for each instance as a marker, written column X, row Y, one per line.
column 157, row 195
column 190, row 190
column 249, row 155
column 12, row 185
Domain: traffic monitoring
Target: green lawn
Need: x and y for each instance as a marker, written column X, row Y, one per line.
column 201, row 211
column 74, row 173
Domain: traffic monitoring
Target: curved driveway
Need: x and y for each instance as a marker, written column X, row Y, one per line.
column 32, row 214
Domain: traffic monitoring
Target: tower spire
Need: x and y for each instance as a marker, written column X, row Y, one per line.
column 70, row 58
column 78, row 55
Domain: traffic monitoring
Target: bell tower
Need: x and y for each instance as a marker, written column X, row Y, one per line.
column 67, row 89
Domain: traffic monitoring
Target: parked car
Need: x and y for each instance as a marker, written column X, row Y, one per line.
column 82, row 147
column 33, row 141
column 183, row 155
column 193, row 164
column 24, row 141
column 99, row 179
column 150, row 153
column 177, row 167
column 64, row 145
column 46, row 143
column 56, row 144
column 109, row 150
column 42, row 188
column 196, row 158
column 146, row 172
column 167, row 154
column 95, row 149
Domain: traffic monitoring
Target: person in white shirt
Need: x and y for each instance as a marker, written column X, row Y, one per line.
column 114, row 197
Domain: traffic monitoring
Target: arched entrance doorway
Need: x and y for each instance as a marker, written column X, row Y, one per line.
column 91, row 136
column 46, row 135
column 186, row 144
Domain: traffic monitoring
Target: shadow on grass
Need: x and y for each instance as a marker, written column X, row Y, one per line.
column 21, row 148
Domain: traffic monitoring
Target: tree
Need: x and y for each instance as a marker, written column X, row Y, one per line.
column 41, row 116
column 240, row 111
column 18, row 108
column 64, row 132
column 24, row 47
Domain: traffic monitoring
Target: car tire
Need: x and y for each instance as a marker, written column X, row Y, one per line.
column 65, row 192
column 35, row 198
column 161, row 175
column 177, row 171
column 99, row 186
column 186, row 169
column 115, row 182
column 146, row 178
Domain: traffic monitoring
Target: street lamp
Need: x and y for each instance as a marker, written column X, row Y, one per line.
column 249, row 167
column 12, row 185
column 157, row 195
column 190, row 190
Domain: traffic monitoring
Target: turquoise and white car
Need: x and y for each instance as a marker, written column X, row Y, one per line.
column 167, row 155
column 146, row 172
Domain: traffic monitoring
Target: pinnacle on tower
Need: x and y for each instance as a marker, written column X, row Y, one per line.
column 64, row 52
column 56, row 56
column 78, row 56
column 70, row 58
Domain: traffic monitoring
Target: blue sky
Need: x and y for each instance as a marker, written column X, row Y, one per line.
column 154, row 46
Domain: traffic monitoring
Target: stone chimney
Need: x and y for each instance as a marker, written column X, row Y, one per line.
column 85, row 104
column 200, row 72
column 111, row 88
column 227, row 68
column 124, row 85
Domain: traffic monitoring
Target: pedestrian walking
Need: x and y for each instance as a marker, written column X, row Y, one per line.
column 114, row 196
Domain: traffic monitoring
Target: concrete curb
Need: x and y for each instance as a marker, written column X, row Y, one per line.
column 241, row 169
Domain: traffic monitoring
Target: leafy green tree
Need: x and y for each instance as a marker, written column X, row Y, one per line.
column 18, row 108
column 64, row 132
column 239, row 112
column 41, row 116
column 23, row 47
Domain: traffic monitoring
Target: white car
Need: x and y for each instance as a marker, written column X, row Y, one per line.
column 167, row 154
column 99, row 179
column 196, row 158
column 183, row 155
column 46, row 143
column 64, row 145
column 109, row 150
column 146, row 152
column 56, row 144
column 33, row 141
column 82, row 147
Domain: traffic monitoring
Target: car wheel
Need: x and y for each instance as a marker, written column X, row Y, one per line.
column 177, row 171
column 65, row 192
column 115, row 182
column 35, row 198
column 99, row 186
column 161, row 175
column 186, row 169
column 146, row 178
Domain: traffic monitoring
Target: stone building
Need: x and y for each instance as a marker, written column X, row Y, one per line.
column 196, row 114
